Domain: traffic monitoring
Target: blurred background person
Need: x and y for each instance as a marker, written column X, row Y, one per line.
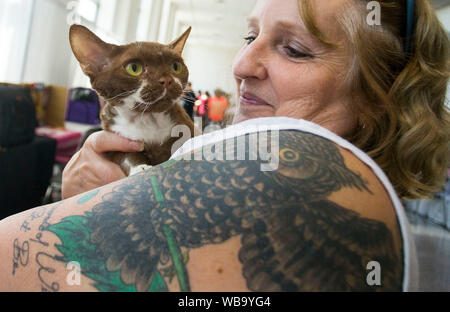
column 189, row 100
column 201, row 108
column 217, row 105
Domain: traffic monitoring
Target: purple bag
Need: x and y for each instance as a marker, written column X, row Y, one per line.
column 83, row 106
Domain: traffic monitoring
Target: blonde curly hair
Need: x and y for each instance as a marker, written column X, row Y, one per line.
column 404, row 124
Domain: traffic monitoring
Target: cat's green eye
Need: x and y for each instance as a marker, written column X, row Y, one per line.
column 176, row 67
column 134, row 69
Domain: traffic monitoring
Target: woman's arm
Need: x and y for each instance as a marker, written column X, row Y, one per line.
column 314, row 223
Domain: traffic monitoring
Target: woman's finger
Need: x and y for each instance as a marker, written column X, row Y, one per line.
column 104, row 141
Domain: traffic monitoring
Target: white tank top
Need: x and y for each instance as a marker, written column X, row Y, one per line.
column 410, row 277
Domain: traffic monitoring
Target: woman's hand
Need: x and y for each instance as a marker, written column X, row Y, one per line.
column 89, row 168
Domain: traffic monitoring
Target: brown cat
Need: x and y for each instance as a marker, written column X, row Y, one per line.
column 141, row 84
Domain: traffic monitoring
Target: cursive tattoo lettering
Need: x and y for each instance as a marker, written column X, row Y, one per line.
column 21, row 254
column 53, row 286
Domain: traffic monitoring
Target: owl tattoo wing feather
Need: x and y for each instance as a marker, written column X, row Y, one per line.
column 293, row 238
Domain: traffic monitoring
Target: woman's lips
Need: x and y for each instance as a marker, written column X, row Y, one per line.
column 250, row 99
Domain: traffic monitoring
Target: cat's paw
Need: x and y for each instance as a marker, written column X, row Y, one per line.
column 138, row 169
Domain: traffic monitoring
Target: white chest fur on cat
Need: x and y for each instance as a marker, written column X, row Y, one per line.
column 150, row 128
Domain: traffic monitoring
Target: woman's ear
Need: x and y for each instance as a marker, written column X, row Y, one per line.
column 92, row 53
column 178, row 44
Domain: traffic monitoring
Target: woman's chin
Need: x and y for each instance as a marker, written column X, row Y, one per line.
column 244, row 117
column 244, row 114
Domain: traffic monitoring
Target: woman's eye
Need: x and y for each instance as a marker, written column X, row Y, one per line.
column 291, row 52
column 249, row 39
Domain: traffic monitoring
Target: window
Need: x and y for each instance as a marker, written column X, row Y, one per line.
column 106, row 12
column 89, row 9
column 15, row 18
column 144, row 14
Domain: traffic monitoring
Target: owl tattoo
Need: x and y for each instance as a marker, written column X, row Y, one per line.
column 293, row 238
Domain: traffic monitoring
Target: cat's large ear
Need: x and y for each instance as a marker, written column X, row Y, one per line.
column 178, row 44
column 92, row 53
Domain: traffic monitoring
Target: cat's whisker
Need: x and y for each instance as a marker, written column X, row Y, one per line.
column 146, row 107
column 121, row 94
column 114, row 97
column 136, row 105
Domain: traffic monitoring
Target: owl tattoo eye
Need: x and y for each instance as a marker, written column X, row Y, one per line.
column 289, row 155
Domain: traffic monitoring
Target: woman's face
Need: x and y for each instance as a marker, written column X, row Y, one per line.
column 283, row 71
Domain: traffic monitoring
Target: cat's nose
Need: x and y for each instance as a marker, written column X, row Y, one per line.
column 165, row 82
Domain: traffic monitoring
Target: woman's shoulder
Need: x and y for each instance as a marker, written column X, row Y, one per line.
column 328, row 172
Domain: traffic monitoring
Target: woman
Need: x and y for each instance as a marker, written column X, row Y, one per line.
column 325, row 218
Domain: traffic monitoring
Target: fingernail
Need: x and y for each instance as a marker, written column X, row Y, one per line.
column 137, row 146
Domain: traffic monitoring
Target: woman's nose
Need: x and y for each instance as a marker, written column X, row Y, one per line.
column 251, row 61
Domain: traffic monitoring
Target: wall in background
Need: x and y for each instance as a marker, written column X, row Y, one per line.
column 210, row 67
column 444, row 17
